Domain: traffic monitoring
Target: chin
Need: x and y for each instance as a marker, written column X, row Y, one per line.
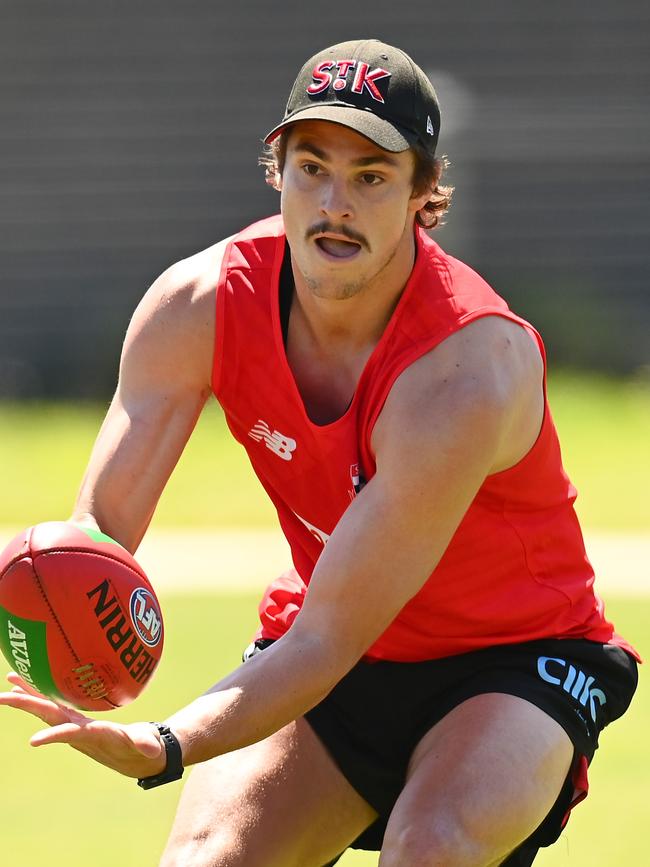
column 334, row 289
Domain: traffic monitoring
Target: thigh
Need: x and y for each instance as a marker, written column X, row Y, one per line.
column 478, row 784
column 279, row 802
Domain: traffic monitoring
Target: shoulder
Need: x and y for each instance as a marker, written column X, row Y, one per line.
column 173, row 326
column 487, row 376
column 458, row 279
column 491, row 358
column 187, row 287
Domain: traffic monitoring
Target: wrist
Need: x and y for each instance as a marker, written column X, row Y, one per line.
column 173, row 757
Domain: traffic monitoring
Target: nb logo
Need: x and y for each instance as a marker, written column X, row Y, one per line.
column 279, row 444
column 560, row 673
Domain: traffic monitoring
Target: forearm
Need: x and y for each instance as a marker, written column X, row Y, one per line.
column 134, row 455
column 259, row 698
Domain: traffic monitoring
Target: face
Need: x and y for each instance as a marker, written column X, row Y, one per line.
column 348, row 209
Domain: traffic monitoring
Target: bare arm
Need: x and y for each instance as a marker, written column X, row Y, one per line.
column 163, row 384
column 164, row 381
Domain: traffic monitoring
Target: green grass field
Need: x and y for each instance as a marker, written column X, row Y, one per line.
column 604, row 427
column 59, row 808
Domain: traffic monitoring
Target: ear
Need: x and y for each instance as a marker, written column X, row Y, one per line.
column 416, row 202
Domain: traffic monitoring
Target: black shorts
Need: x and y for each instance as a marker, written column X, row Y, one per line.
column 376, row 715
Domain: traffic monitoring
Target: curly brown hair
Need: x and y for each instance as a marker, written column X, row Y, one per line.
column 427, row 174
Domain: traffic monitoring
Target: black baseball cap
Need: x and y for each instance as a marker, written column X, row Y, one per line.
column 370, row 87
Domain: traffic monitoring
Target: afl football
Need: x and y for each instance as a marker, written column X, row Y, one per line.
column 79, row 620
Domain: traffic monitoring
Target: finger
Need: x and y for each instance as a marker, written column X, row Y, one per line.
column 46, row 710
column 66, row 733
column 19, row 683
column 20, row 687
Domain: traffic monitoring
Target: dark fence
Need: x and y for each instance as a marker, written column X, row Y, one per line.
column 129, row 134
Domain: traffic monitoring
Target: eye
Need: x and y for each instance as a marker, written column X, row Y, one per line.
column 370, row 179
column 310, row 169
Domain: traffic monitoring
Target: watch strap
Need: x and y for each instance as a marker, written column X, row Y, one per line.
column 173, row 769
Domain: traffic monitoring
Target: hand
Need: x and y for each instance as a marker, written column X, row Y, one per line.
column 134, row 750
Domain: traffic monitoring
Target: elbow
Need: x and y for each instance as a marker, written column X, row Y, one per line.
column 326, row 654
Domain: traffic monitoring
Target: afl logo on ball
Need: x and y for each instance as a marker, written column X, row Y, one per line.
column 146, row 616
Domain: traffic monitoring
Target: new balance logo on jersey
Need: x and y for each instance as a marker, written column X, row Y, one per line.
column 573, row 681
column 279, row 444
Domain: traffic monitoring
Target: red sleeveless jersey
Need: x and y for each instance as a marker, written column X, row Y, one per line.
column 516, row 568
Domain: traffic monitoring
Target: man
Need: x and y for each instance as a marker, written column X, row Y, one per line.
column 431, row 678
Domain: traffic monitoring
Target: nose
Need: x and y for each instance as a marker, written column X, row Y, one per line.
column 335, row 202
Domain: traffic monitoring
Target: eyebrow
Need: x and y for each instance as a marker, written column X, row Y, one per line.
column 362, row 161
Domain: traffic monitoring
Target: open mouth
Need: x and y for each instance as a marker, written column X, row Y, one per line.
column 338, row 248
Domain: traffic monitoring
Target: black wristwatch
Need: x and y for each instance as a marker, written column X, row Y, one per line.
column 173, row 770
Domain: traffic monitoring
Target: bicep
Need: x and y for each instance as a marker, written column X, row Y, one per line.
column 134, row 454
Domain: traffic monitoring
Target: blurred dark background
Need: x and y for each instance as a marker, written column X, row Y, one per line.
column 129, row 135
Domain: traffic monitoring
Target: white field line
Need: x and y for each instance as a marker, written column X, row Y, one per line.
column 180, row 561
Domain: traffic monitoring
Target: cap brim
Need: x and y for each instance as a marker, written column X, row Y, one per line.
column 378, row 130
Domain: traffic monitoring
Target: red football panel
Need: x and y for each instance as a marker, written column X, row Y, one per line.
column 89, row 682
column 20, row 593
column 111, row 661
column 61, row 535
column 16, row 549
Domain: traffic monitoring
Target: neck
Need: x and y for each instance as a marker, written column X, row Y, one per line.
column 359, row 319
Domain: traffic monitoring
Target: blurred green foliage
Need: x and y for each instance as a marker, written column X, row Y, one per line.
column 604, row 427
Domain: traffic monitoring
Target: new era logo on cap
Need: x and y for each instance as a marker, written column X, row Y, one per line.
column 370, row 87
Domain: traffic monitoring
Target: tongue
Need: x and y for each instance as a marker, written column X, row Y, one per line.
column 338, row 248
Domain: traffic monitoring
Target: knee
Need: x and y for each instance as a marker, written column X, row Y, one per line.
column 202, row 850
column 186, row 851
column 443, row 844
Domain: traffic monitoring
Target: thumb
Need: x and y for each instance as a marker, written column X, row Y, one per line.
column 146, row 740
